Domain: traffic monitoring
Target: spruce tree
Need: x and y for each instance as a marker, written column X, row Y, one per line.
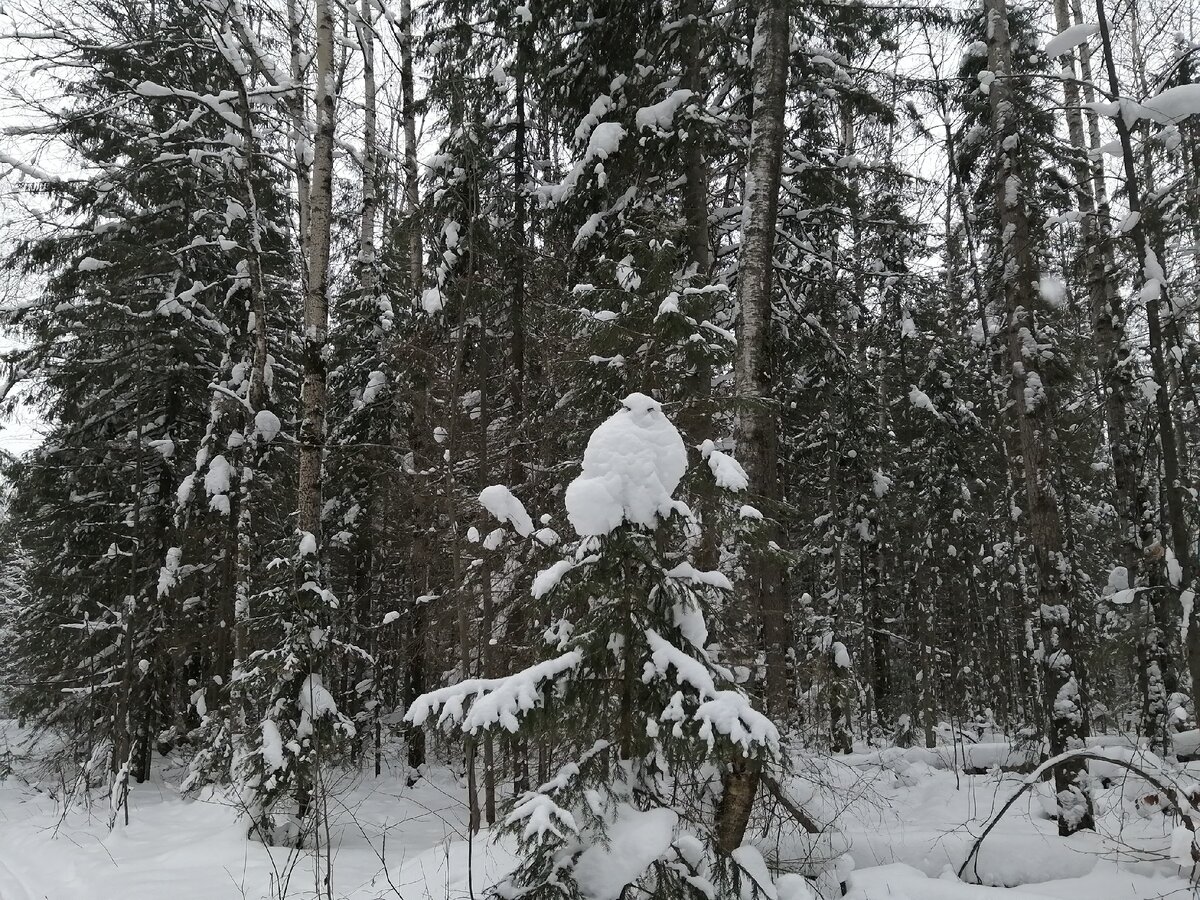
column 128, row 333
column 631, row 687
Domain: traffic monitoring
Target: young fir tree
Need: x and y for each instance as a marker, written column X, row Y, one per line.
column 652, row 716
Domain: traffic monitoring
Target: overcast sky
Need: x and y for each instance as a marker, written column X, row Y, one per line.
column 21, row 431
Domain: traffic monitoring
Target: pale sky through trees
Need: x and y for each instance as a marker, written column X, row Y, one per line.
column 22, row 430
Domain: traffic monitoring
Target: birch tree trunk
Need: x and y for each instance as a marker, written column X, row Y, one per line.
column 316, row 298
column 756, row 426
column 756, row 429
column 367, row 254
column 302, row 148
column 408, row 111
column 310, row 601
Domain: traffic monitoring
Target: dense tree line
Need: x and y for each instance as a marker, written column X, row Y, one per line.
column 322, row 302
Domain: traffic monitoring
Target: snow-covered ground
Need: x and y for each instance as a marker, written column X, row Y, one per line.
column 195, row 849
column 906, row 825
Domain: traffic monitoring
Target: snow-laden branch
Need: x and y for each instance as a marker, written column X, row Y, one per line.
column 604, row 141
column 500, row 502
column 493, row 701
column 538, row 810
column 728, row 713
column 28, row 168
column 218, row 103
column 10, row 375
column 1070, row 38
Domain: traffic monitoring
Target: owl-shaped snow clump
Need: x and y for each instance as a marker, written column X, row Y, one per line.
column 631, row 467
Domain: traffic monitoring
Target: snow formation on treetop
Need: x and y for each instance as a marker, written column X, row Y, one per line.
column 314, row 699
column 631, row 467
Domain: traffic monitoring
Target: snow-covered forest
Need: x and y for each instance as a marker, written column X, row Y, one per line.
column 679, row 449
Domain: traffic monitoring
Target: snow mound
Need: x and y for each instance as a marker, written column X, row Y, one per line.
column 266, row 425
column 1186, row 743
column 984, row 755
column 432, row 301
column 272, row 746
column 315, row 700
column 631, row 467
column 661, row 116
column 500, row 502
column 308, row 544
column 376, row 381
column 727, row 471
column 903, row 882
column 634, row 841
column 217, row 482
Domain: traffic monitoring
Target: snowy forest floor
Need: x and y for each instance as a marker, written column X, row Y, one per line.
column 906, row 825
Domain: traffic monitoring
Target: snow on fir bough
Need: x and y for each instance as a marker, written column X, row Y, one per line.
column 500, row 502
column 495, row 701
column 725, row 712
column 1070, row 38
